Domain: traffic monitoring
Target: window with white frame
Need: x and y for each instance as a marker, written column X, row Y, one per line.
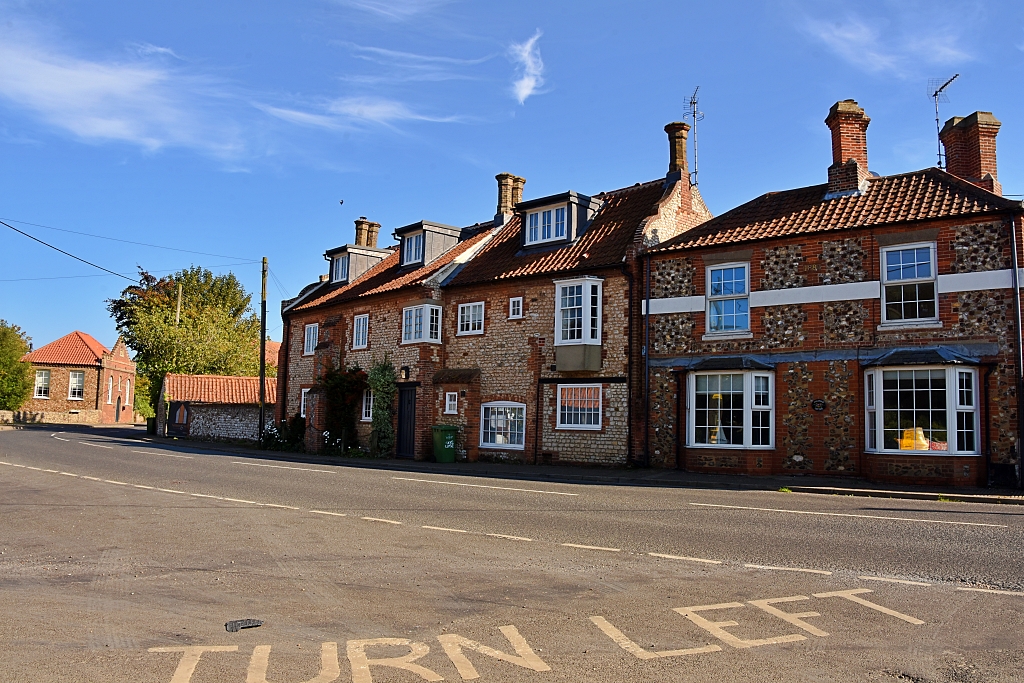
column 367, row 413
column 471, row 318
column 728, row 300
column 76, row 385
column 127, row 391
column 310, row 340
column 922, row 409
column 515, row 307
column 546, row 225
column 451, row 402
column 578, row 312
column 339, row 268
column 579, row 406
column 360, row 331
column 302, row 402
column 421, row 323
column 42, row 385
column 908, row 283
column 110, row 389
column 503, row 425
column 412, row 248
column 731, row 409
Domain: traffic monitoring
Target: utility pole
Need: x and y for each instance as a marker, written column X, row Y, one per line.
column 263, row 352
column 177, row 313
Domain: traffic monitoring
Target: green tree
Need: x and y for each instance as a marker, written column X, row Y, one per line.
column 15, row 376
column 217, row 334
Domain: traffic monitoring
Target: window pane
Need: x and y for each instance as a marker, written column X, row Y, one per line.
column 572, row 312
column 908, row 264
column 965, row 395
column 728, row 315
column 761, row 397
column 545, row 222
column 434, row 331
column 595, row 302
column 559, row 222
column 504, row 425
column 534, row 233
column 965, row 431
column 417, row 323
column 579, row 406
column 718, row 413
column 914, row 410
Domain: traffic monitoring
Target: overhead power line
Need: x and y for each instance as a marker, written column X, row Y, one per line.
column 139, row 244
column 77, row 258
column 73, row 277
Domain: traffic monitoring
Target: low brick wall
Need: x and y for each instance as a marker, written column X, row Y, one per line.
column 49, row 417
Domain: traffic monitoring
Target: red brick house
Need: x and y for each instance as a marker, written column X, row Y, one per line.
column 77, row 379
column 517, row 330
column 867, row 326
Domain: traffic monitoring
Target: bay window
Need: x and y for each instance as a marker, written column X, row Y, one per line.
column 731, row 409
column 578, row 311
column 421, row 323
column 932, row 409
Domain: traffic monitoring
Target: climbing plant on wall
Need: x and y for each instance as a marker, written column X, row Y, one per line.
column 342, row 390
column 383, row 382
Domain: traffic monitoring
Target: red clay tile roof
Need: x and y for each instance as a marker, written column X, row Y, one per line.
column 604, row 243
column 916, row 196
column 218, row 389
column 387, row 276
column 77, row 348
column 273, row 348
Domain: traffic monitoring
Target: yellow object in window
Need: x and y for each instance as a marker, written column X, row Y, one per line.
column 914, row 440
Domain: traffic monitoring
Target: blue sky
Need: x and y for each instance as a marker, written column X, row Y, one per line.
column 235, row 128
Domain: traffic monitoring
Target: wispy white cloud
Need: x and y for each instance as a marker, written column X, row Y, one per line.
column 395, row 10
column 900, row 44
column 137, row 102
column 350, row 112
column 530, row 68
column 148, row 50
column 399, row 66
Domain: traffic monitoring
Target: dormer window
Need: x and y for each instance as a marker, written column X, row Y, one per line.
column 412, row 248
column 339, row 268
column 545, row 225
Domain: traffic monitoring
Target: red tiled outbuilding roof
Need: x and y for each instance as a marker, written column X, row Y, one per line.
column 272, row 349
column 218, row 389
column 77, row 348
column 388, row 275
column 604, row 243
column 908, row 197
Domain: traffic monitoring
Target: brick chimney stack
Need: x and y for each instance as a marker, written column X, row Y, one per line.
column 677, row 134
column 849, row 167
column 970, row 145
column 366, row 233
column 510, row 192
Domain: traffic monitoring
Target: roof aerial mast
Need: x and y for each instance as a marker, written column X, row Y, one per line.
column 935, row 91
column 696, row 116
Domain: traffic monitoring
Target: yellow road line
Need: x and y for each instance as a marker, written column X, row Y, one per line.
column 990, row 590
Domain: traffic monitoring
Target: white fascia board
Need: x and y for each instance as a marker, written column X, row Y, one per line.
column 675, row 304
column 973, row 282
column 849, row 291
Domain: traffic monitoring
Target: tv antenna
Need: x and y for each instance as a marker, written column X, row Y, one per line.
column 696, row 115
column 936, row 91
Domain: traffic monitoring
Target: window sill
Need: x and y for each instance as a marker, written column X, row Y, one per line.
column 499, row 447
column 41, row 398
column 358, row 348
column 366, row 421
column 469, row 334
column 515, row 317
column 729, row 447
column 713, row 336
column 576, row 343
column 75, row 399
column 420, row 341
column 924, row 325
column 576, row 428
column 941, row 454
column 306, row 355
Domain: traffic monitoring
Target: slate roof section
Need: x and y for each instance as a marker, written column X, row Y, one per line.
column 77, row 348
column 603, row 245
column 218, row 389
column 389, row 276
column 908, row 197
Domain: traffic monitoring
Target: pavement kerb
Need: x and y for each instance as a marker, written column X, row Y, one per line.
column 646, row 479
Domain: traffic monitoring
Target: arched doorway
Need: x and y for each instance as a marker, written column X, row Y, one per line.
column 117, row 413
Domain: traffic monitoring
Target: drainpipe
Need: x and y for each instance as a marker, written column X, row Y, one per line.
column 647, row 363
column 1014, row 226
column 681, row 422
column 629, row 363
column 282, row 393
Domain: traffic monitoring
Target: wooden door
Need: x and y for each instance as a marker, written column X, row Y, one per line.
column 406, row 446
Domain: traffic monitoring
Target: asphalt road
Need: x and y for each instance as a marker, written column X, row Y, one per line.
column 122, row 559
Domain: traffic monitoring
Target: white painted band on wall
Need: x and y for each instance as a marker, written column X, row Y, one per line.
column 852, row 291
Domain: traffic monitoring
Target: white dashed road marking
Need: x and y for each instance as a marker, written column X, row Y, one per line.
column 378, row 519
column 169, row 455
column 282, row 467
column 511, row 538
column 441, row 528
column 847, row 514
column 482, row 486
column 990, row 590
column 95, row 445
column 903, row 581
column 789, row 569
column 333, row 514
column 590, row 547
column 683, row 557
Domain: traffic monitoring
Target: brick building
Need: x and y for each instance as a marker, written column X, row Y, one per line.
column 866, row 326
column 518, row 329
column 78, row 380
column 213, row 407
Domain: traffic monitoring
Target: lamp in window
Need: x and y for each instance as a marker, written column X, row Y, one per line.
column 404, row 373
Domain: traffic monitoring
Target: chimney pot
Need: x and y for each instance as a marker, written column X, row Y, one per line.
column 970, row 145
column 849, row 169
column 677, row 134
column 510, row 192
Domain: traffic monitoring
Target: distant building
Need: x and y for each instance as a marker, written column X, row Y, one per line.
column 213, row 407
column 78, row 380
